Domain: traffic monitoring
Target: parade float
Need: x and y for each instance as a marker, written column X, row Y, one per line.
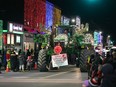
column 82, row 40
column 72, row 47
column 51, row 58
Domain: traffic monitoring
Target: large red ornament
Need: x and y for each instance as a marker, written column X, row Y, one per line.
column 57, row 49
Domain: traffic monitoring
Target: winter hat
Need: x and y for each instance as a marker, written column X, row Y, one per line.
column 94, row 81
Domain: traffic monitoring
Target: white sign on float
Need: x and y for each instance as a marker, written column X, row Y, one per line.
column 59, row 60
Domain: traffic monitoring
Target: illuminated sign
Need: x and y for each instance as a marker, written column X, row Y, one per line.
column 13, row 27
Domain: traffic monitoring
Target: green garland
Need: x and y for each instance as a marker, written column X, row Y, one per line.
column 41, row 38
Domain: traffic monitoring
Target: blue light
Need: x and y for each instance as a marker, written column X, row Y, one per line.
column 49, row 15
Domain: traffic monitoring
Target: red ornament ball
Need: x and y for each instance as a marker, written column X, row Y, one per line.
column 57, row 49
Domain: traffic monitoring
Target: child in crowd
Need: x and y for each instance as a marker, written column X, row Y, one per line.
column 29, row 62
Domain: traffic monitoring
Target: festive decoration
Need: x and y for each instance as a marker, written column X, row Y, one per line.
column 34, row 14
column 61, row 38
column 49, row 15
column 41, row 38
column 57, row 16
column 100, row 38
column 83, row 28
column 40, row 13
column 97, row 38
column 57, row 49
column 65, row 20
column 88, row 39
column 78, row 39
column 78, row 22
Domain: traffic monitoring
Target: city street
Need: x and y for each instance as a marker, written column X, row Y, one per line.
column 57, row 43
column 68, row 76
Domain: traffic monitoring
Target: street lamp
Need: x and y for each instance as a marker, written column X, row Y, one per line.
column 73, row 20
column 108, row 36
column 100, row 32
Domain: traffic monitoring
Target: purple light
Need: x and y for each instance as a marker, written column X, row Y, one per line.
column 42, row 33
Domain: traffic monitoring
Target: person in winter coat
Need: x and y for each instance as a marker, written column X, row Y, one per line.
column 29, row 63
column 13, row 59
column 21, row 58
column 95, row 77
column 109, row 72
column 27, row 53
column 114, row 61
column 8, row 59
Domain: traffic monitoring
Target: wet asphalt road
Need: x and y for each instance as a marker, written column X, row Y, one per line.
column 68, row 76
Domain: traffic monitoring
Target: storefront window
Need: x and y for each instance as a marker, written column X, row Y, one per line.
column 18, row 39
column 12, row 38
column 8, row 38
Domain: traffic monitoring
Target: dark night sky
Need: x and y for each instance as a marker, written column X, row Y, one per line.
column 100, row 14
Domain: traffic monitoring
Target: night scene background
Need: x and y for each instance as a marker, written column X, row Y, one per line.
column 100, row 14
